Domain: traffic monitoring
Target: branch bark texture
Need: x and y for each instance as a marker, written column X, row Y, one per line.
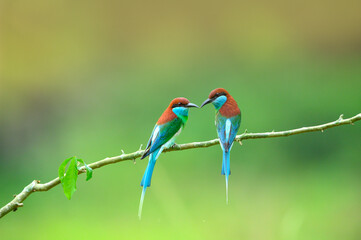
column 36, row 186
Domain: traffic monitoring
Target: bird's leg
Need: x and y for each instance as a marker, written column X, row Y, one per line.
column 174, row 146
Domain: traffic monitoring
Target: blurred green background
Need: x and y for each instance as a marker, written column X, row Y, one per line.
column 89, row 78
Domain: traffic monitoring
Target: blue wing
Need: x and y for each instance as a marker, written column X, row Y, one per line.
column 162, row 134
column 151, row 137
column 227, row 129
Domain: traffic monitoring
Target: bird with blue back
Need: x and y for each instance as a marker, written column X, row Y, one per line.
column 164, row 134
column 228, row 121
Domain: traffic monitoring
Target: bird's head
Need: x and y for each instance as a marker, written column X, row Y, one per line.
column 217, row 97
column 181, row 102
column 180, row 106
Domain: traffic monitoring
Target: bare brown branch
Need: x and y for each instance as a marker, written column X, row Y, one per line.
column 35, row 185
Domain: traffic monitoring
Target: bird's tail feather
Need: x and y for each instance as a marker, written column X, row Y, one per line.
column 226, row 163
column 147, row 177
column 226, row 170
column 141, row 203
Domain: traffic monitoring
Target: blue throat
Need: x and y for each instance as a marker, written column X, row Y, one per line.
column 182, row 113
column 218, row 103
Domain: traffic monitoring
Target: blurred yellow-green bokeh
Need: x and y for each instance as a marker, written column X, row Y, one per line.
column 90, row 78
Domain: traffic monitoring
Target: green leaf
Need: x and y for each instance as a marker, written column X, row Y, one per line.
column 61, row 170
column 89, row 170
column 69, row 180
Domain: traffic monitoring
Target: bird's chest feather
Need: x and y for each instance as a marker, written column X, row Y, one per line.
column 172, row 140
column 181, row 113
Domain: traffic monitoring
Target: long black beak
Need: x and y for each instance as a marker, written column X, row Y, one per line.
column 189, row 105
column 206, row 102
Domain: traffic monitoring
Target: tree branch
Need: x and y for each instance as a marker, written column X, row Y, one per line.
column 35, row 185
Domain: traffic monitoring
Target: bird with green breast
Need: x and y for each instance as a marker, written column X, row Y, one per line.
column 165, row 131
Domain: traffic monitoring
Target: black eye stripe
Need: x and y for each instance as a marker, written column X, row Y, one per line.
column 178, row 105
column 219, row 94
